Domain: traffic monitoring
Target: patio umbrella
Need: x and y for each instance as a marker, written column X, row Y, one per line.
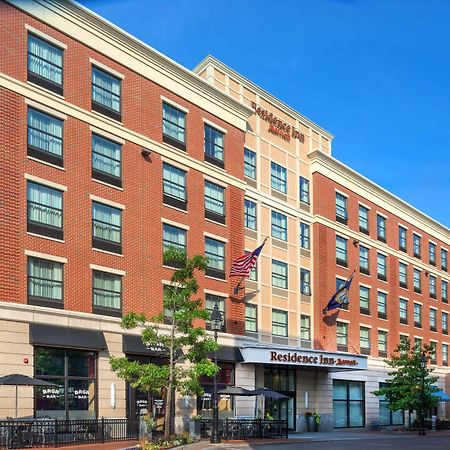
column 235, row 390
column 441, row 396
column 18, row 379
column 265, row 392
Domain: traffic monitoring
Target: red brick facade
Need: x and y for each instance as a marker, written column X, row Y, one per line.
column 142, row 184
column 326, row 269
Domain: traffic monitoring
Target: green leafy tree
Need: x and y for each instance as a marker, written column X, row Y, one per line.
column 184, row 341
column 410, row 387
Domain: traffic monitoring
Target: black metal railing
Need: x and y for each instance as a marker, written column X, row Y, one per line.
column 58, row 433
column 243, row 429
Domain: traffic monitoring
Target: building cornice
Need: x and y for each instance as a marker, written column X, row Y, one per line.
column 85, row 26
column 211, row 60
column 345, row 176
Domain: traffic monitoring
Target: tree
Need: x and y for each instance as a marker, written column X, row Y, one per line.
column 184, row 341
column 410, row 387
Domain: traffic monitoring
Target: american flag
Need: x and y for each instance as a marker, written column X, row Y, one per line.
column 241, row 266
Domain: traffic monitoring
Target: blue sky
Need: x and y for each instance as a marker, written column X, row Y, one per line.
column 375, row 73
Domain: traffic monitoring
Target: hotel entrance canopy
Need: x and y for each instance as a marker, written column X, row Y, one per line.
column 304, row 358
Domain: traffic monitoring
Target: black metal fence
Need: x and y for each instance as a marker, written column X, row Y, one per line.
column 59, row 433
column 247, row 429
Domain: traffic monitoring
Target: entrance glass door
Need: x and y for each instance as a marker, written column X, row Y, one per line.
column 282, row 380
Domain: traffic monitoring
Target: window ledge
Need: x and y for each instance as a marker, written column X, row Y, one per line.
column 45, row 162
column 62, row 241
column 107, row 184
column 213, row 278
column 107, row 252
column 38, row 86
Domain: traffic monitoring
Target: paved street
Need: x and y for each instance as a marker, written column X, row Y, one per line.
column 397, row 442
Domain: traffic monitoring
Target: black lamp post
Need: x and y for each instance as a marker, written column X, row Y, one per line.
column 423, row 364
column 216, row 325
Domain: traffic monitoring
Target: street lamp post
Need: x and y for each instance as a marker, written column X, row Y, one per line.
column 216, row 325
column 423, row 364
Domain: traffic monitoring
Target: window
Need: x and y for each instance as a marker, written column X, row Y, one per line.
column 279, row 274
column 403, row 274
column 211, row 301
column 418, row 343
column 44, row 210
column 305, row 328
column 403, row 305
column 364, row 260
column 444, row 291
column 444, row 259
column 249, row 164
column 388, row 417
column 416, row 245
column 174, row 187
column 341, row 251
column 278, row 177
column 251, row 318
column 432, row 284
column 342, row 336
column 444, row 322
column 214, row 145
column 364, row 340
column 363, row 219
column 106, row 160
column 433, row 345
column 174, row 126
column 382, row 305
column 433, row 322
column 106, row 228
column 45, row 283
column 382, row 343
column 214, row 202
column 168, row 304
column 45, row 137
column 445, row 354
column 304, row 190
column 417, row 281
column 417, row 315
column 250, row 214
column 215, row 252
column 348, row 404
column 74, row 372
column 279, row 323
column 381, row 266
column 45, row 64
column 279, row 226
column 341, row 208
column 432, row 253
column 305, row 281
column 381, row 228
column 253, row 275
column 402, row 238
column 173, row 237
column 364, row 299
column 304, row 236
column 106, row 94
column 107, row 293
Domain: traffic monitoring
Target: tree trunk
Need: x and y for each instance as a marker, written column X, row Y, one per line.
column 168, row 415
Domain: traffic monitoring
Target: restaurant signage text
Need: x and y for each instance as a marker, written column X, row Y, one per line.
column 278, row 126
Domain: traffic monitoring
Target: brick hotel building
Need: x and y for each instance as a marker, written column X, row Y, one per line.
column 113, row 151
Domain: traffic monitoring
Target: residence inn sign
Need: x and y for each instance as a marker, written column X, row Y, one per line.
column 303, row 357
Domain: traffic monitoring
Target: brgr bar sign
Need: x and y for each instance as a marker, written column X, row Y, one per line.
column 303, row 358
column 278, row 126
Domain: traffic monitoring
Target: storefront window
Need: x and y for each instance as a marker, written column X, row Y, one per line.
column 74, row 371
column 225, row 377
column 388, row 417
column 348, row 404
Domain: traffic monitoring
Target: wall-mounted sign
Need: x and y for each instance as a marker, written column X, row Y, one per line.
column 278, row 126
column 308, row 358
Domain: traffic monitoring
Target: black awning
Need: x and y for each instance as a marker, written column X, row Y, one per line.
column 53, row 336
column 133, row 344
column 227, row 354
